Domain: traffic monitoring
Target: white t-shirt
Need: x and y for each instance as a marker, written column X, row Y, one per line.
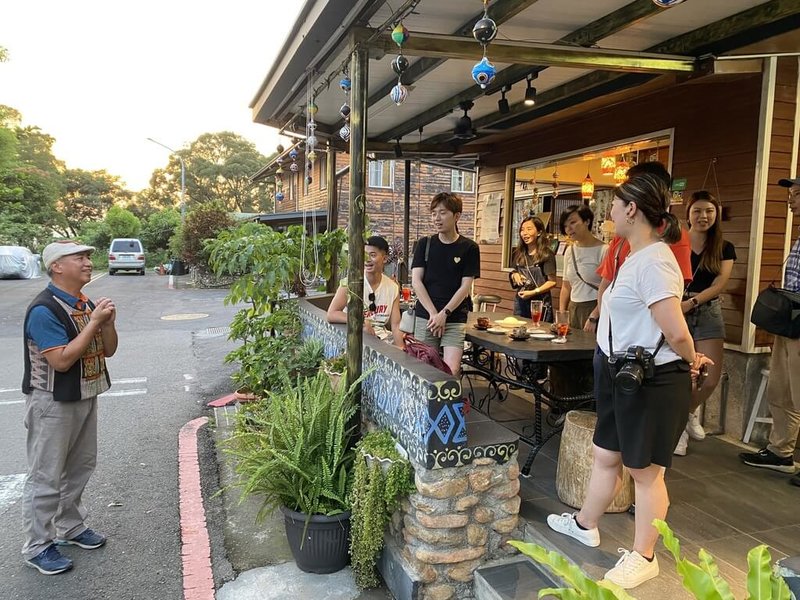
column 646, row 277
column 588, row 259
column 386, row 293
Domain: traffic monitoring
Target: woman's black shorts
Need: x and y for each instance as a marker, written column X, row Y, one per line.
column 644, row 426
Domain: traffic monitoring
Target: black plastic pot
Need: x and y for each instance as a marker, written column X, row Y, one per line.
column 325, row 547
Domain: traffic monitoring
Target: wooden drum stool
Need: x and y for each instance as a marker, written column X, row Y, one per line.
column 575, row 464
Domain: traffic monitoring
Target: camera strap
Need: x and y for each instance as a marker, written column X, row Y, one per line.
column 661, row 339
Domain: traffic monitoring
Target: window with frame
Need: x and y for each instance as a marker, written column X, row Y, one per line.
column 322, row 160
column 381, row 174
column 462, row 181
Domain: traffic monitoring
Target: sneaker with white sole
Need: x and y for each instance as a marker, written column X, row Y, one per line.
column 632, row 569
column 50, row 561
column 567, row 524
column 683, row 444
column 766, row 459
column 87, row 539
column 693, row 427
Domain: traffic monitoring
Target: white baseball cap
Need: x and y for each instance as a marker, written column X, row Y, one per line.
column 56, row 250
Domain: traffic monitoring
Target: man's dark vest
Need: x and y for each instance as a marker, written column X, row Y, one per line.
column 67, row 385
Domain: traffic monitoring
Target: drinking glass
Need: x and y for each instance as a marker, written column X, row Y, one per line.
column 536, row 312
column 562, row 326
column 406, row 293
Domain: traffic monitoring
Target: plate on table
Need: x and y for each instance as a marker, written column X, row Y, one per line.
column 496, row 330
column 510, row 323
column 479, row 328
column 542, row 336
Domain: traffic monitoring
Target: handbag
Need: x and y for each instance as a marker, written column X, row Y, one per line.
column 427, row 354
column 777, row 311
column 408, row 318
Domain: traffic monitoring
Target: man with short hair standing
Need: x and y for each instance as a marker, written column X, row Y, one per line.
column 444, row 267
column 67, row 338
column 783, row 390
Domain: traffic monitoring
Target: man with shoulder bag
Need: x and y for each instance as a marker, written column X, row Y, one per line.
column 783, row 390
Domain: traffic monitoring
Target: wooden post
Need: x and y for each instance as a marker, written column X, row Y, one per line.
column 407, row 222
column 333, row 215
column 359, row 72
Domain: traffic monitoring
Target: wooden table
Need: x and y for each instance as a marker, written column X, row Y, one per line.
column 524, row 360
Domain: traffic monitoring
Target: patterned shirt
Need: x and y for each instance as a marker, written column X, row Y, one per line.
column 791, row 277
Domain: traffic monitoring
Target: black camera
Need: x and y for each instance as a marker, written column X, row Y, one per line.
column 631, row 368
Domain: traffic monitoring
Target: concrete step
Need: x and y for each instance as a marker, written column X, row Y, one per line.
column 517, row 578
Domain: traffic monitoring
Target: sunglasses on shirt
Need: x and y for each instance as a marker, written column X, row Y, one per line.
column 372, row 305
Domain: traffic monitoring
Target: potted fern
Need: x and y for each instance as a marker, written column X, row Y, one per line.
column 382, row 476
column 296, row 452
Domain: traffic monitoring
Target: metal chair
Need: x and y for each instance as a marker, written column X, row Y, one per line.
column 483, row 301
column 754, row 418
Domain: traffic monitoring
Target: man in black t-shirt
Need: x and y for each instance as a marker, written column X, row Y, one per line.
column 444, row 267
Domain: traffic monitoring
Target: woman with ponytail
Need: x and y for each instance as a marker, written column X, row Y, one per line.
column 712, row 263
column 643, row 393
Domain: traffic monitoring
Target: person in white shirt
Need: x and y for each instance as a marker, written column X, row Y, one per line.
column 584, row 255
column 643, row 397
column 381, row 296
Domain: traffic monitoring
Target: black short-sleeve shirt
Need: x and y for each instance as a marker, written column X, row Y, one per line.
column 447, row 265
column 703, row 279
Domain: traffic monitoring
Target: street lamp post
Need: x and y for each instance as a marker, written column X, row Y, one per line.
column 183, row 177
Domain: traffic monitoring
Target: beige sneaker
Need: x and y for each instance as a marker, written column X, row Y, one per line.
column 683, row 444
column 694, row 428
column 567, row 524
column 632, row 569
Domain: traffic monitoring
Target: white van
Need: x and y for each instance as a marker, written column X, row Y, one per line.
column 126, row 254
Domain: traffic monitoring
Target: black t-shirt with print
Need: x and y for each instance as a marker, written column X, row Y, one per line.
column 447, row 265
column 703, row 279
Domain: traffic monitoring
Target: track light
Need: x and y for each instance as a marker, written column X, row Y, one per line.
column 398, row 151
column 502, row 104
column 530, row 91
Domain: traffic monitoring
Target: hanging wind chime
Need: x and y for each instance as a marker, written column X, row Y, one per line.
column 399, row 92
column 279, row 175
column 484, row 31
column 345, row 84
column 555, row 182
column 311, row 138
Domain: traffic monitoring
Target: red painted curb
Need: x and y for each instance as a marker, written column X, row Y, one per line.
column 198, row 579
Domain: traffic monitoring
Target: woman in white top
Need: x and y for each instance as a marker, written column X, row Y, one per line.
column 642, row 397
column 583, row 256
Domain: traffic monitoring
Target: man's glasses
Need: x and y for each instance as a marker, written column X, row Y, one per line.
column 372, row 306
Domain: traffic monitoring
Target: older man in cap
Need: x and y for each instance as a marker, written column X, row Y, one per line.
column 67, row 338
column 783, row 390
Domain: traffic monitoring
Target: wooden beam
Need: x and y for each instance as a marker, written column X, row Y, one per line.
column 717, row 37
column 501, row 11
column 531, row 53
column 584, row 36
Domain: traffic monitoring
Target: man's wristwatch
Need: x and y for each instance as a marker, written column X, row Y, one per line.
column 448, row 312
column 694, row 301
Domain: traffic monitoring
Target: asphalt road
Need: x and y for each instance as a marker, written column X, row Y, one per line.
column 162, row 374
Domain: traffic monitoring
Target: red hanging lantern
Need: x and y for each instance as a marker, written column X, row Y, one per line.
column 621, row 172
column 608, row 164
column 587, row 188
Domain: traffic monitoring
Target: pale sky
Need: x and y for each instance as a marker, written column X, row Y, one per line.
column 101, row 77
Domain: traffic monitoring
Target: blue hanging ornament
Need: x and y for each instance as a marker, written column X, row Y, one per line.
column 666, row 3
column 400, row 34
column 344, row 133
column 398, row 94
column 400, row 64
column 345, row 84
column 485, row 30
column 293, row 153
column 279, row 196
column 484, row 72
column 345, row 111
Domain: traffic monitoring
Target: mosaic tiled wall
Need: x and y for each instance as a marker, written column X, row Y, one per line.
column 424, row 412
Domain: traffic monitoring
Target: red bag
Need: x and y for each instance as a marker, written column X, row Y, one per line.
column 426, row 354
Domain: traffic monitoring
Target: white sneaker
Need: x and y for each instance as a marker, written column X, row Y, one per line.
column 632, row 569
column 693, row 427
column 683, row 444
column 565, row 523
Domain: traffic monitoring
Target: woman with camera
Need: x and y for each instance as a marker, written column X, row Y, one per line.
column 534, row 273
column 712, row 263
column 643, row 372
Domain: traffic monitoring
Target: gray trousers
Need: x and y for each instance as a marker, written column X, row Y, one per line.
column 62, row 454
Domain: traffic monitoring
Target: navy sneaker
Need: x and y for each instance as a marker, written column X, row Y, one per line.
column 50, row 562
column 88, row 539
column 767, row 459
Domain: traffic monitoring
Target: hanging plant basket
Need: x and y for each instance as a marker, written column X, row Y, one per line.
column 319, row 544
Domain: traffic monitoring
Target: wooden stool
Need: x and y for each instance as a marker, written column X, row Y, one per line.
column 575, row 464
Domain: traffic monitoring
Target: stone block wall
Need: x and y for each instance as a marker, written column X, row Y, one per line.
column 459, row 518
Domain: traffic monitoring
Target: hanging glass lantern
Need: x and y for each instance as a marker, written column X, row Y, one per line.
column 608, row 164
column 621, row 172
column 294, row 168
column 293, row 153
column 400, row 34
column 312, row 156
column 279, row 196
column 484, row 72
column 398, row 94
column 587, row 188
column 345, row 111
column 311, row 142
column 344, row 133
